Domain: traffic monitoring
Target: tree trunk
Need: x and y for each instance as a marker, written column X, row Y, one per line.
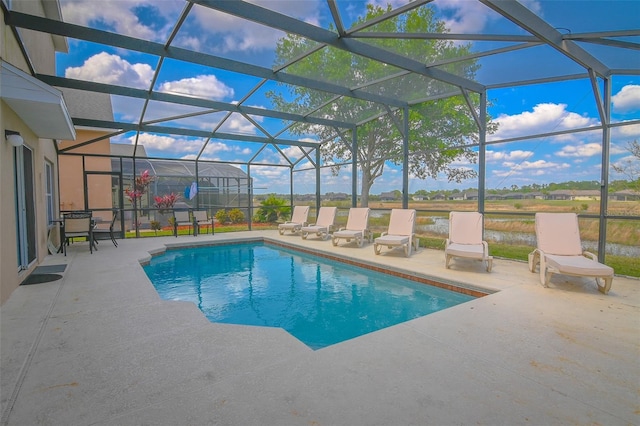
column 366, row 186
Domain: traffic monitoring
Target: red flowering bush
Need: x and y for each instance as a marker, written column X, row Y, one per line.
column 165, row 202
column 139, row 187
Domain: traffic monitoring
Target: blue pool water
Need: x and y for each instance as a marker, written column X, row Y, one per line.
column 319, row 301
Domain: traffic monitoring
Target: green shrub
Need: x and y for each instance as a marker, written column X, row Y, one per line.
column 222, row 216
column 155, row 225
column 272, row 209
column 236, row 216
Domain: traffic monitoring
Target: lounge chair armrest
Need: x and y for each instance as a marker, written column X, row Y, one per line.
column 590, row 255
column 383, row 234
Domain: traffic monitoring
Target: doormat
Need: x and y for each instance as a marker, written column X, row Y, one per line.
column 50, row 269
column 44, row 274
column 40, row 278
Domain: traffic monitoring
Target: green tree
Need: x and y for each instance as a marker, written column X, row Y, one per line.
column 630, row 166
column 435, row 127
column 272, row 209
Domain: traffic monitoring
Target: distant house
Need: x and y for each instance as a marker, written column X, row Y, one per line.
column 336, row 196
column 575, row 194
column 471, row 195
column 457, row 196
column 419, row 197
column 493, row 197
column 388, row 196
column 513, row 196
column 625, row 195
column 439, row 197
column 534, row 196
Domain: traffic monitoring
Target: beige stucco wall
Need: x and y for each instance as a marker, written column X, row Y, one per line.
column 72, row 176
column 41, row 52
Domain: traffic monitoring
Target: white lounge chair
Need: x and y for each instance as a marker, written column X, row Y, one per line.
column 465, row 239
column 357, row 227
column 298, row 220
column 324, row 223
column 560, row 251
column 401, row 232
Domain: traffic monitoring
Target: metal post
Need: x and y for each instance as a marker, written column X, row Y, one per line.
column 405, row 158
column 250, row 200
column 354, row 167
column 604, row 172
column 482, row 151
column 317, row 180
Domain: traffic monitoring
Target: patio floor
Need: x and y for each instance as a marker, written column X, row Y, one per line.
column 100, row 347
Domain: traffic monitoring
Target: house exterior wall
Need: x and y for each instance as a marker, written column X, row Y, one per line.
column 72, row 169
column 41, row 52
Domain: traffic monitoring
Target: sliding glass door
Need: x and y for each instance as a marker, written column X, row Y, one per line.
column 25, row 206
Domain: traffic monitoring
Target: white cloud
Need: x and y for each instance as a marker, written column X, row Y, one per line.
column 465, row 16
column 234, row 34
column 507, row 155
column 530, row 168
column 153, row 142
column 627, row 99
column 632, row 130
column 581, row 150
column 544, row 118
column 124, row 16
column 112, row 69
column 203, row 86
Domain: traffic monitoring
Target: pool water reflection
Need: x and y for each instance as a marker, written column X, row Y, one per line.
column 319, row 301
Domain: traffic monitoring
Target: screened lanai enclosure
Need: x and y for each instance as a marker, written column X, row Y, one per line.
column 470, row 103
column 217, row 187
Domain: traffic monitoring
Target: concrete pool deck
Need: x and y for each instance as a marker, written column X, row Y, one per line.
column 100, row 347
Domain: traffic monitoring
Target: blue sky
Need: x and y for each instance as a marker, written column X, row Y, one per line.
column 523, row 110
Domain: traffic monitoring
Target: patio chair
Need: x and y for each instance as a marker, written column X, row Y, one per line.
column 324, row 223
column 357, row 227
column 298, row 220
column 401, row 232
column 78, row 225
column 559, row 251
column 465, row 239
column 181, row 218
column 98, row 230
column 201, row 218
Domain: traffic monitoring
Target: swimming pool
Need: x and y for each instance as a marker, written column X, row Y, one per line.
column 319, row 301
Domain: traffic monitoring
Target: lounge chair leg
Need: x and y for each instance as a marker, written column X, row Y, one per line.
column 334, row 241
column 489, row 264
column 447, row 259
column 376, row 248
column 604, row 289
column 304, row 235
column 534, row 260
